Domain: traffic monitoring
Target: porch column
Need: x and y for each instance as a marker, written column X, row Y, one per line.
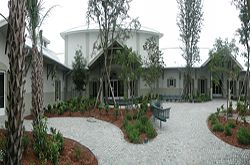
column 211, row 86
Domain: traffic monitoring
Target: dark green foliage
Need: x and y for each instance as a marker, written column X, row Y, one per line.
column 231, row 123
column 213, row 119
column 242, row 111
column 79, row 71
column 243, row 135
column 218, row 127
column 25, row 142
column 228, row 130
column 201, row 98
column 107, row 108
column 154, row 63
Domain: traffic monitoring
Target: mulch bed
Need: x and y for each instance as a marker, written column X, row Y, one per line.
column 232, row 140
column 67, row 157
column 109, row 117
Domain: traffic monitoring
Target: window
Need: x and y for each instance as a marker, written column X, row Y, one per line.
column 202, row 86
column 57, row 90
column 241, row 87
column 171, row 82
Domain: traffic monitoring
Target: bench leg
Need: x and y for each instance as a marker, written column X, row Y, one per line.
column 160, row 123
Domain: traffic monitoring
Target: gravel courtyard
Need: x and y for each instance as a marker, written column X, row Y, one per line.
column 183, row 139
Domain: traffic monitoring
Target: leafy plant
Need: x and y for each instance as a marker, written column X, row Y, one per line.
column 77, row 152
column 25, row 142
column 107, row 108
column 116, row 112
column 228, row 130
column 231, row 123
column 243, row 135
column 133, row 133
column 217, row 127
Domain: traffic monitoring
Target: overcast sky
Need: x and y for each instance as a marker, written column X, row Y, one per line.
column 220, row 20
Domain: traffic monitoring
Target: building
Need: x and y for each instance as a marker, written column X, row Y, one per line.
column 58, row 84
column 54, row 74
column 170, row 83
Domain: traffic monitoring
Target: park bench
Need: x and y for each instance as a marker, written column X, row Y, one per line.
column 160, row 113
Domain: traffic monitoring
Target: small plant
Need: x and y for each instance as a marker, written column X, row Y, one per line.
column 107, row 108
column 116, row 112
column 49, row 108
column 217, row 127
column 228, row 130
column 25, row 142
column 100, row 107
column 213, row 119
column 230, row 109
column 133, row 133
column 231, row 123
column 77, row 153
column 243, row 135
column 3, row 142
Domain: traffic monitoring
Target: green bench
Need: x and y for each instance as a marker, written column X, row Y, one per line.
column 160, row 113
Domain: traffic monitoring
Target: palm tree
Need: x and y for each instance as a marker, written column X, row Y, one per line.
column 16, row 53
column 34, row 20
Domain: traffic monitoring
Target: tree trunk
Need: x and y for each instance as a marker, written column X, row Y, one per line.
column 17, row 55
column 37, row 85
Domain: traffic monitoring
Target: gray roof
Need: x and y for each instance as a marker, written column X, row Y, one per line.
column 46, row 52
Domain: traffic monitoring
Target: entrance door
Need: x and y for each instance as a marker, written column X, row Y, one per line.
column 2, row 99
column 217, row 92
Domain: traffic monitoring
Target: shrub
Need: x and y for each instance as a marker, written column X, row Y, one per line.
column 128, row 116
column 243, row 135
column 107, row 108
column 45, row 147
column 228, row 130
column 25, row 142
column 231, row 123
column 49, row 108
column 213, row 119
column 77, row 153
column 133, row 133
column 116, row 112
column 150, row 131
column 217, row 127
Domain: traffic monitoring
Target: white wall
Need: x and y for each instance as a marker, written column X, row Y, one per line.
column 86, row 40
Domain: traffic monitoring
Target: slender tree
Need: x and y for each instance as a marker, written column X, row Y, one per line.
column 154, row 63
column 79, row 72
column 244, row 33
column 189, row 21
column 114, row 24
column 15, row 48
column 223, row 64
column 131, row 67
column 35, row 19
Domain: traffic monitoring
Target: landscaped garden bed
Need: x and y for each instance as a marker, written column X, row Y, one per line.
column 232, row 130
column 73, row 153
column 134, row 122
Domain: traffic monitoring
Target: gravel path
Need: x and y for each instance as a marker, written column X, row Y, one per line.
column 183, row 139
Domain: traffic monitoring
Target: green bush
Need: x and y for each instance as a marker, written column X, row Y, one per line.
column 25, row 142
column 213, row 119
column 228, row 130
column 243, row 135
column 116, row 112
column 107, row 108
column 46, row 147
column 231, row 123
column 133, row 133
column 150, row 131
column 217, row 127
